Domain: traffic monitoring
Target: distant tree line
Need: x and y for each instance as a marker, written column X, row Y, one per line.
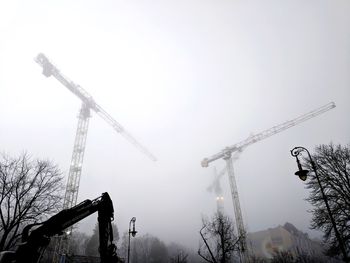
column 288, row 257
column 150, row 249
column 31, row 191
column 143, row 249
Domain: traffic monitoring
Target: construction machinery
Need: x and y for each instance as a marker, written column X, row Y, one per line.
column 88, row 104
column 34, row 242
column 226, row 154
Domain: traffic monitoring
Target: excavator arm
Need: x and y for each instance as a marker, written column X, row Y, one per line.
column 35, row 241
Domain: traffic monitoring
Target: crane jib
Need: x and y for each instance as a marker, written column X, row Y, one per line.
column 51, row 70
column 88, row 103
column 226, row 154
column 267, row 133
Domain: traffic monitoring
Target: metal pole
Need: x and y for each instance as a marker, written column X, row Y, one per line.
column 133, row 232
column 295, row 152
column 129, row 248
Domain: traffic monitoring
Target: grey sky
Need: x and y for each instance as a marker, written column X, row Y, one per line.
column 186, row 78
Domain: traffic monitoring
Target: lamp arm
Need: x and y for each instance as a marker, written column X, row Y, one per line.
column 295, row 152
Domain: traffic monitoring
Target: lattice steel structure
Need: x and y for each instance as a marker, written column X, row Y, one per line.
column 88, row 104
column 226, row 154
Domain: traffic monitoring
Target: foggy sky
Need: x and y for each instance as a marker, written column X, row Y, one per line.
column 186, row 78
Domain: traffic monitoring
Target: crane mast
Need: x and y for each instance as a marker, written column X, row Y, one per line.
column 216, row 187
column 50, row 70
column 88, row 104
column 226, row 154
column 75, row 168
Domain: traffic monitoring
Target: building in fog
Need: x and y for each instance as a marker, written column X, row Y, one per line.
column 283, row 238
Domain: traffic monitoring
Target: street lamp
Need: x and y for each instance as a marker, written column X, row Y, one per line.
column 303, row 176
column 133, row 233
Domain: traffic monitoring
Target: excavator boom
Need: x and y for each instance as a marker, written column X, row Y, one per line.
column 35, row 241
column 75, row 170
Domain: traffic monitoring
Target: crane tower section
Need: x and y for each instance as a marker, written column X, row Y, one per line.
column 50, row 70
column 72, row 189
column 226, row 154
column 75, row 169
column 215, row 187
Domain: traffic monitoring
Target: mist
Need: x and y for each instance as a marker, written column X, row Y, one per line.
column 186, row 79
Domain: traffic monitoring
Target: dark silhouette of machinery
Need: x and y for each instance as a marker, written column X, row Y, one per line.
column 75, row 170
column 34, row 241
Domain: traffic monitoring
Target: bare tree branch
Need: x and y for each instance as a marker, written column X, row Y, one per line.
column 220, row 232
column 332, row 163
column 30, row 191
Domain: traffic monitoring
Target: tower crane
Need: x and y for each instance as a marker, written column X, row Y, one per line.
column 217, row 189
column 227, row 152
column 88, row 104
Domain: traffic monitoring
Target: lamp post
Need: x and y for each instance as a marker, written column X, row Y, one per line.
column 132, row 232
column 303, row 176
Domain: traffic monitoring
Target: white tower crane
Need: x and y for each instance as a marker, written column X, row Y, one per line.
column 88, row 104
column 226, row 154
column 216, row 187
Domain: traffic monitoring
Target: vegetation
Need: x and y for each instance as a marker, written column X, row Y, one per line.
column 92, row 242
column 30, row 191
column 333, row 167
column 287, row 257
column 150, row 249
column 219, row 239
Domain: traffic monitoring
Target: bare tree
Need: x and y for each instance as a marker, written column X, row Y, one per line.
column 145, row 249
column 78, row 243
column 283, row 257
column 93, row 242
column 219, row 238
column 256, row 259
column 289, row 257
column 333, row 167
column 180, row 254
column 179, row 258
column 123, row 247
column 30, row 190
